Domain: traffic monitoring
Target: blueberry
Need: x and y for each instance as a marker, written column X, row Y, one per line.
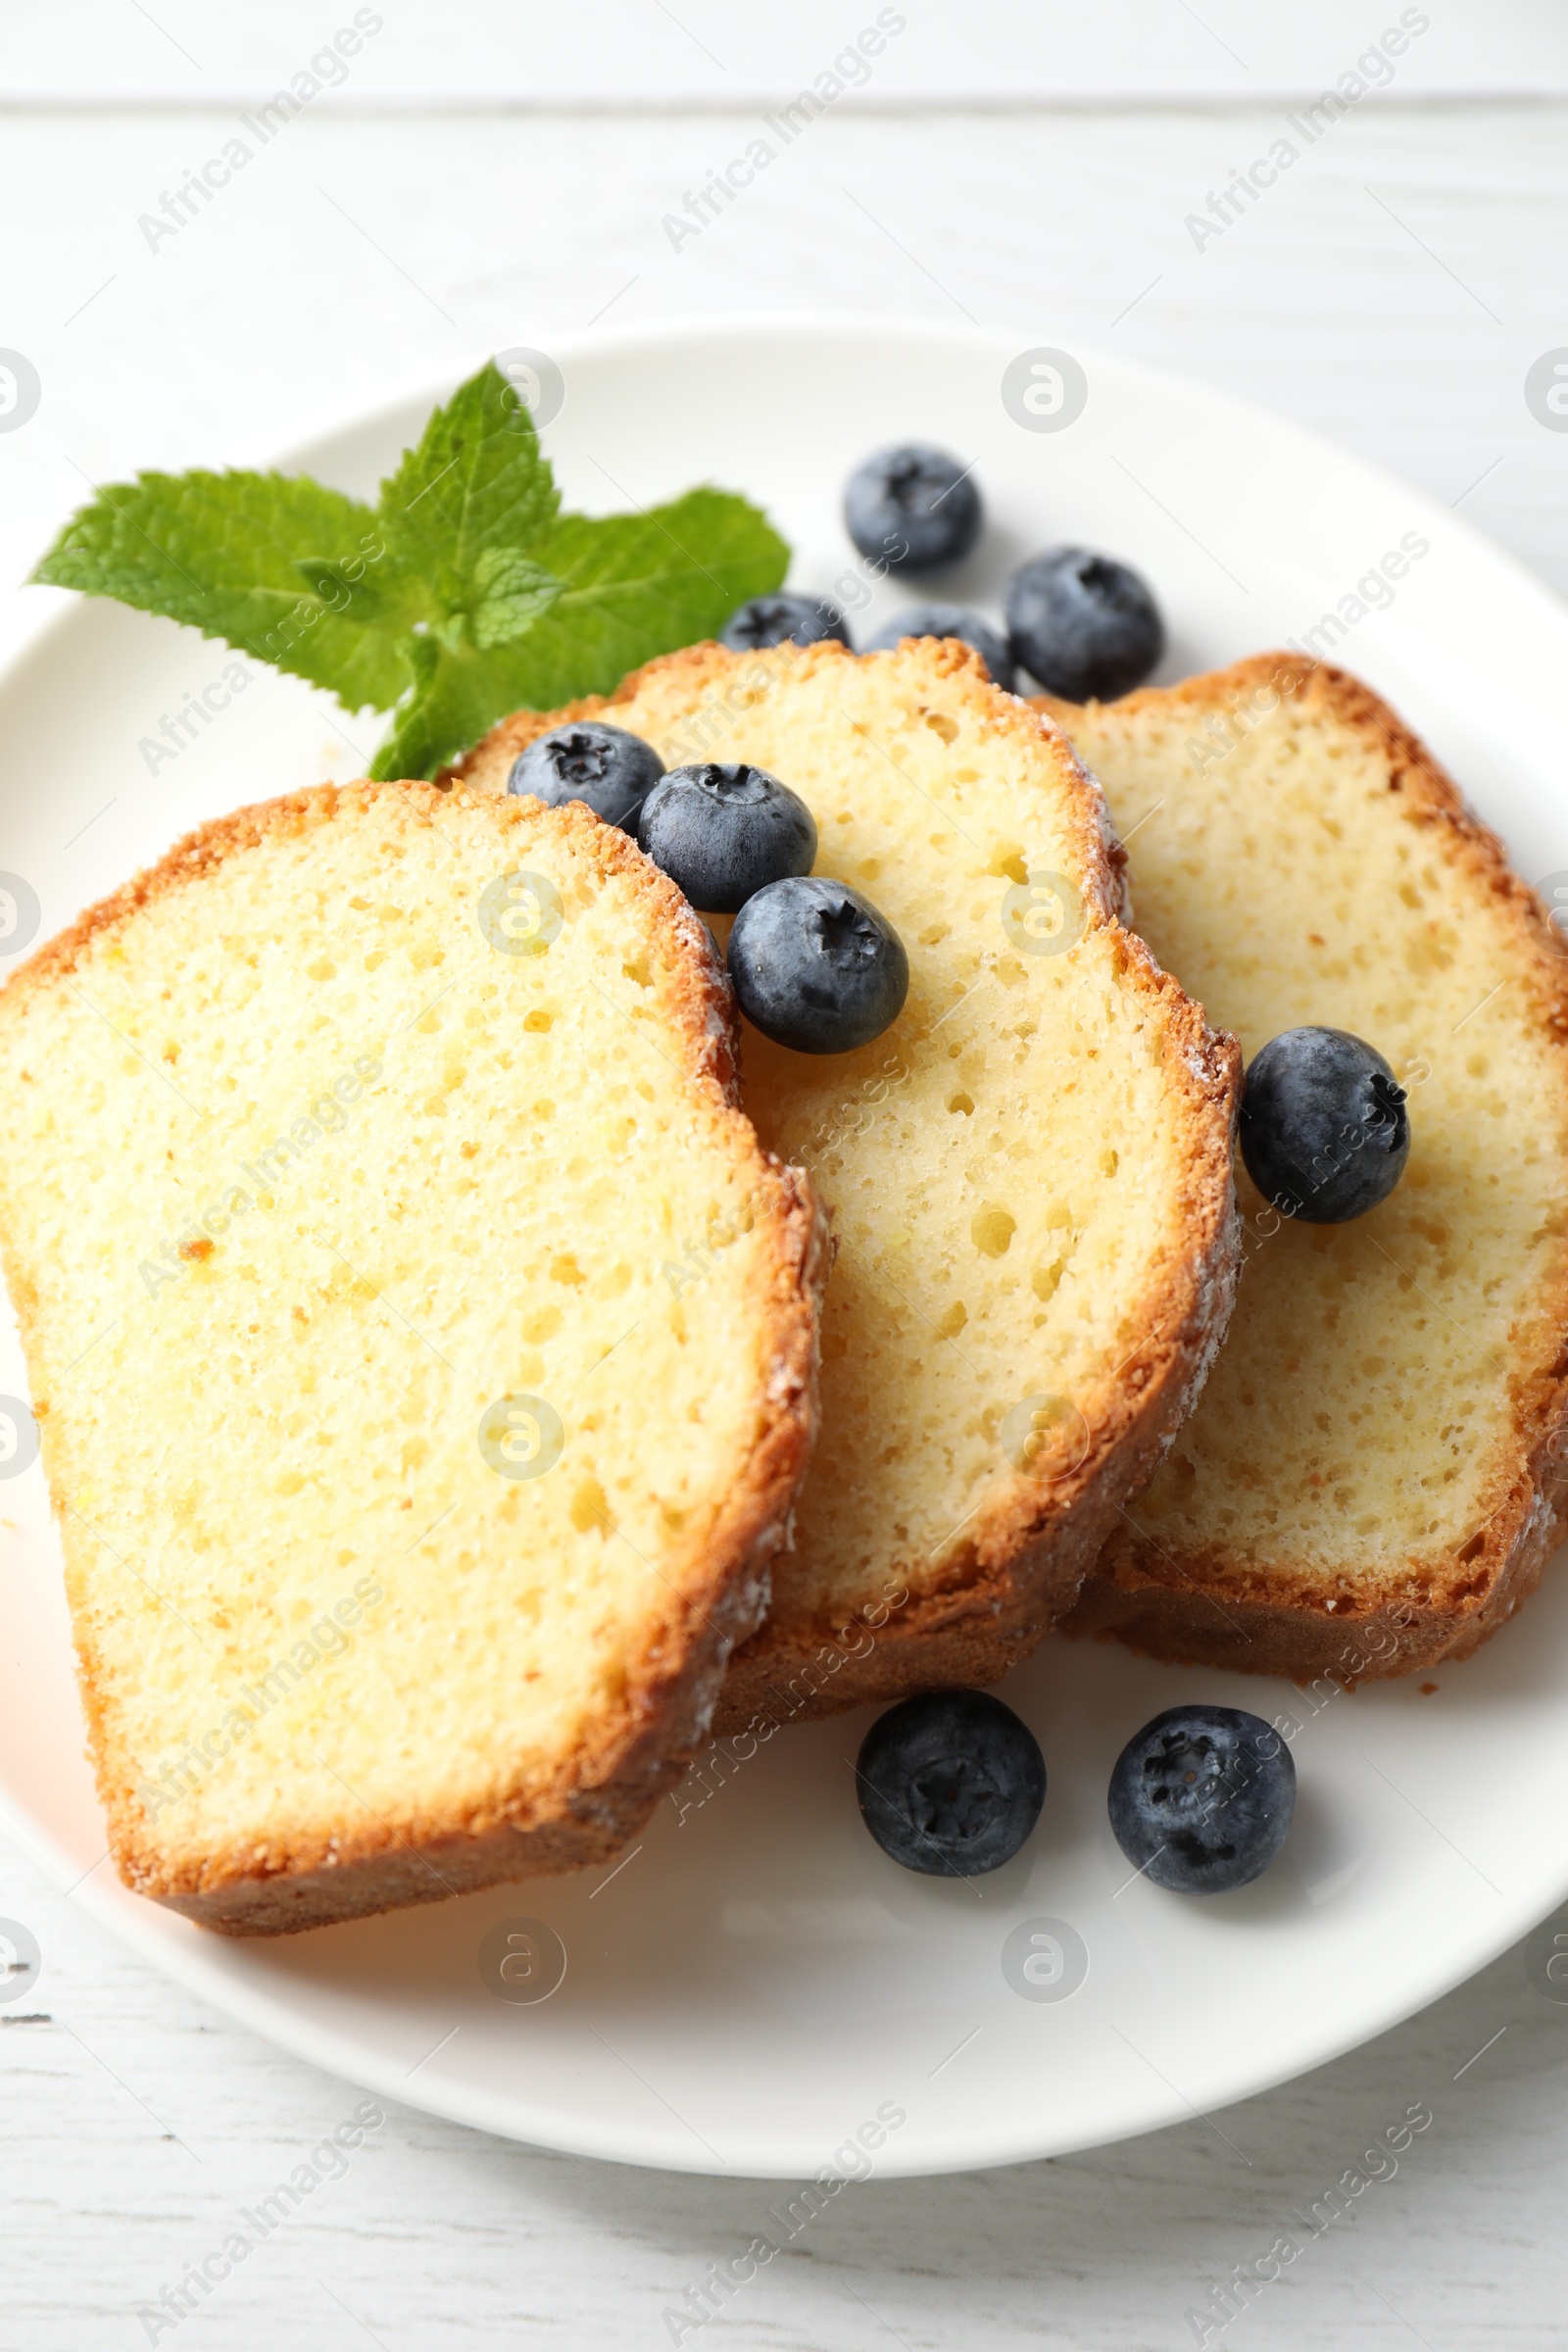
column 950, row 1784
column 724, row 831
column 948, row 620
column 1324, row 1132
column 913, row 507
column 815, row 967
column 608, row 770
column 1087, row 627
column 1201, row 1798
column 783, row 620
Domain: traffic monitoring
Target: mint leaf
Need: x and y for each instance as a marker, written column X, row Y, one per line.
column 477, row 480
column 383, row 598
column 637, row 585
column 630, row 586
column 514, row 591
column 456, row 698
column 218, row 551
column 462, row 595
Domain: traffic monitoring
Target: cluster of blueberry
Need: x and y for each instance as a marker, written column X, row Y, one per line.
column 1082, row 624
column 813, row 965
column 952, row 1783
column 1324, row 1131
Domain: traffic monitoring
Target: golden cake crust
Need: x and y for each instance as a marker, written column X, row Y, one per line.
column 1211, row 1605
column 1025, row 1553
column 604, row 1791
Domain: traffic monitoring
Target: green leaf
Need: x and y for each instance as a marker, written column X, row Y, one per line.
column 630, row 586
column 218, row 551
column 514, row 591
column 382, row 596
column 477, row 480
column 455, row 699
column 637, row 585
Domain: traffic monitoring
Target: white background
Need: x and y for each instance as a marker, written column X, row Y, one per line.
column 489, row 174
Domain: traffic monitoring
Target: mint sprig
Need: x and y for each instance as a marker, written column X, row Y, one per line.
column 463, row 593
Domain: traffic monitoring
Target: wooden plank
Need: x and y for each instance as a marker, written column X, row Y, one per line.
column 714, row 53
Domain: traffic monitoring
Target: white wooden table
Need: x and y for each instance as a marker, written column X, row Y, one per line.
column 484, row 177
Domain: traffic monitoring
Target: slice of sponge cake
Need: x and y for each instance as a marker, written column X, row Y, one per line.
column 1371, row 1480
column 408, row 1517
column 1030, row 1170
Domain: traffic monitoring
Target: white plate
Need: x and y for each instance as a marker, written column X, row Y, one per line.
column 756, row 1982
